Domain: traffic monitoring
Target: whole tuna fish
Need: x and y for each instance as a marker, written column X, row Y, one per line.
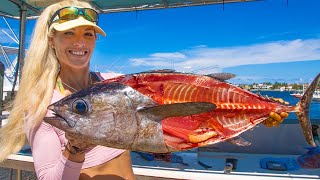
column 152, row 111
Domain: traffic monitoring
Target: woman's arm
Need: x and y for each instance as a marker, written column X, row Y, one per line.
column 46, row 143
column 49, row 161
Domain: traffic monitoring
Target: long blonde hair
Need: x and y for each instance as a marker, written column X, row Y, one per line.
column 38, row 80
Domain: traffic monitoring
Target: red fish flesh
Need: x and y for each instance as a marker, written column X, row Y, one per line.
column 237, row 109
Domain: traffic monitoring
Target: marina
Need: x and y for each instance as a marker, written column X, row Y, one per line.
column 299, row 93
column 315, row 97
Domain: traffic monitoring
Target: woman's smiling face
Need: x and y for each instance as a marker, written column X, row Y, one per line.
column 74, row 47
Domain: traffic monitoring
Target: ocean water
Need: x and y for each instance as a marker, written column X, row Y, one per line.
column 314, row 112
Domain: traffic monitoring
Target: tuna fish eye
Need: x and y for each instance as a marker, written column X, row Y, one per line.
column 80, row 106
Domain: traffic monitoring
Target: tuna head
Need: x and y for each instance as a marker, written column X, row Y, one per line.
column 103, row 114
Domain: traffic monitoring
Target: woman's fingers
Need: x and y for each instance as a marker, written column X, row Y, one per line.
column 77, row 142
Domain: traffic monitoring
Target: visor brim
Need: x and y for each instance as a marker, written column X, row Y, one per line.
column 76, row 23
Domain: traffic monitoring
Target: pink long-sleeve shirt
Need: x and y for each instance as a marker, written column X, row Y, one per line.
column 47, row 144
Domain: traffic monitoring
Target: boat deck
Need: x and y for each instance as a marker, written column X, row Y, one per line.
column 248, row 167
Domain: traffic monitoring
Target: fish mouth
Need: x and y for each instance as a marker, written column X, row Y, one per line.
column 58, row 117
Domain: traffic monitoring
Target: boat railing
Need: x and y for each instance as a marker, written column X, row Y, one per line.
column 247, row 168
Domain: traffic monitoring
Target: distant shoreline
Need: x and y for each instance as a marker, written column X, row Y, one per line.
column 272, row 90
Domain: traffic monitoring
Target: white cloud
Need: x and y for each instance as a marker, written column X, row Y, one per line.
column 159, row 59
column 202, row 56
column 169, row 56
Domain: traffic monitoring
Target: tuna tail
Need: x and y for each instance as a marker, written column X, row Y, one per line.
column 303, row 113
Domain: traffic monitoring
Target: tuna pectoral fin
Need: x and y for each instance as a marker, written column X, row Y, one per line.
column 239, row 141
column 178, row 109
column 303, row 111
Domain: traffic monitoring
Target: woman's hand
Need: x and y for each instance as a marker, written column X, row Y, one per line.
column 75, row 148
column 77, row 145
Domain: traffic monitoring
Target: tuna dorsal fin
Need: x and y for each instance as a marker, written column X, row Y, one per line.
column 239, row 141
column 160, row 71
column 221, row 76
column 160, row 112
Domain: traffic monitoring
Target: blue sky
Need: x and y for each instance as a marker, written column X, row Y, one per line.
column 258, row 41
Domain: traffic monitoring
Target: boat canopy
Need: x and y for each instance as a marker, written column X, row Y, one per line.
column 11, row 8
column 7, row 50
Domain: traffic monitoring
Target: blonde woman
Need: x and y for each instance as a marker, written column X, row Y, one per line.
column 57, row 64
